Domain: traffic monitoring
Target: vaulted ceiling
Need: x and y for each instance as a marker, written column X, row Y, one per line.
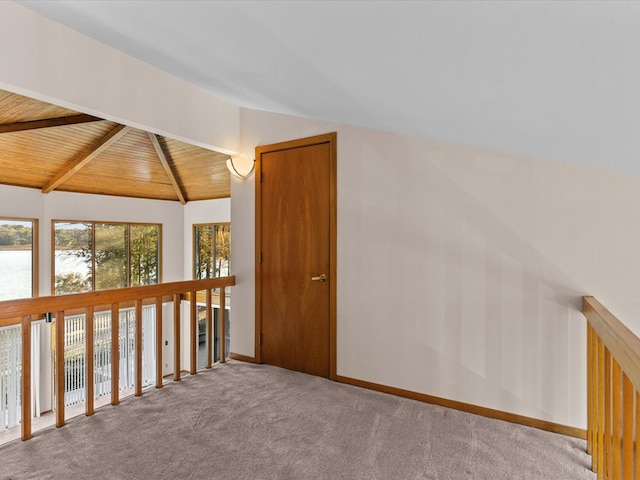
column 556, row 80
column 53, row 148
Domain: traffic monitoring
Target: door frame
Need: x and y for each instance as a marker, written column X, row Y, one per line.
column 331, row 139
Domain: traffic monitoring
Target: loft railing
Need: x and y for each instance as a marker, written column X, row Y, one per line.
column 613, row 398
column 26, row 312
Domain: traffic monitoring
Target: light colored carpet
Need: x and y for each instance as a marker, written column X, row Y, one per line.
column 244, row 421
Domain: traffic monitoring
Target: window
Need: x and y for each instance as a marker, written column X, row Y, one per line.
column 99, row 256
column 18, row 258
column 211, row 247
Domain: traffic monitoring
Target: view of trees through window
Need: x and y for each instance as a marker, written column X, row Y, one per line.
column 17, row 258
column 99, row 256
column 212, row 254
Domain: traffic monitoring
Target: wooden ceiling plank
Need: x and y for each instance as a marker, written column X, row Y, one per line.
column 47, row 123
column 105, row 142
column 167, row 168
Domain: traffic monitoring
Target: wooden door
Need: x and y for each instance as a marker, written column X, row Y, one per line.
column 295, row 239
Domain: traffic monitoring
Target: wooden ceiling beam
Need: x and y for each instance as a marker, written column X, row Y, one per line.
column 167, row 168
column 48, row 122
column 84, row 158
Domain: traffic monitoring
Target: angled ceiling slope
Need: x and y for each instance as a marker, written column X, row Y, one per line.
column 51, row 148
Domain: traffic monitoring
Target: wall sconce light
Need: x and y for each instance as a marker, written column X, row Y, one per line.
column 241, row 167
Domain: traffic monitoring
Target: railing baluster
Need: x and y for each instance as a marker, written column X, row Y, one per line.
column 616, row 387
column 193, row 317
column 601, row 414
column 627, row 428
column 223, row 333
column 60, row 371
column 606, row 462
column 158, row 342
column 637, row 450
column 115, row 354
column 590, row 387
column 138, row 348
column 595, row 399
column 81, row 371
column 176, row 337
column 209, row 328
column 26, row 378
column 89, row 352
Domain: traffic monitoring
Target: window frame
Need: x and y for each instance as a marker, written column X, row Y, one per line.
column 194, row 238
column 35, row 258
column 93, row 242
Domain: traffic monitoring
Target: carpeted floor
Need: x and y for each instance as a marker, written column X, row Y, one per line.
column 244, row 421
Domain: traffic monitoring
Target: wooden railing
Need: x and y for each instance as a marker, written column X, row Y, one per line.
column 613, row 398
column 26, row 311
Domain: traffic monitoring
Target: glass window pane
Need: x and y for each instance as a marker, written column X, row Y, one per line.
column 111, row 256
column 145, row 254
column 222, row 251
column 211, row 250
column 203, row 235
column 72, row 257
column 16, row 259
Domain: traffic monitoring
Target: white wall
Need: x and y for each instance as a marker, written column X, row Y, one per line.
column 461, row 270
column 47, row 61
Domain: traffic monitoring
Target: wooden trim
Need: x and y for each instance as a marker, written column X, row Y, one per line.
column 193, row 338
column 209, row 329
column 89, row 342
column 60, row 371
column 257, row 339
column 48, row 123
column 138, row 348
column 637, row 449
column 162, row 156
column 467, row 407
column 115, row 354
column 331, row 139
column 85, row 157
column 26, row 379
column 333, row 254
column 627, row 428
column 11, row 309
column 616, row 388
column 176, row 337
column 222, row 317
column 242, row 358
column 589, row 390
column 159, row 380
column 607, row 415
column 621, row 342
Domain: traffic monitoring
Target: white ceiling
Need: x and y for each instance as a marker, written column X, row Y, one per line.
column 556, row 80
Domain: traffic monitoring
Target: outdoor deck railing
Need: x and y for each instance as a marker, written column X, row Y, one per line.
column 25, row 312
column 613, row 398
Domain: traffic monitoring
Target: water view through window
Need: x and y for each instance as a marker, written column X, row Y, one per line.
column 16, row 259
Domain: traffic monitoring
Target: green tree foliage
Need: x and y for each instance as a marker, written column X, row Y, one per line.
column 145, row 254
column 71, row 283
column 13, row 234
column 212, row 250
column 125, row 255
column 111, row 256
